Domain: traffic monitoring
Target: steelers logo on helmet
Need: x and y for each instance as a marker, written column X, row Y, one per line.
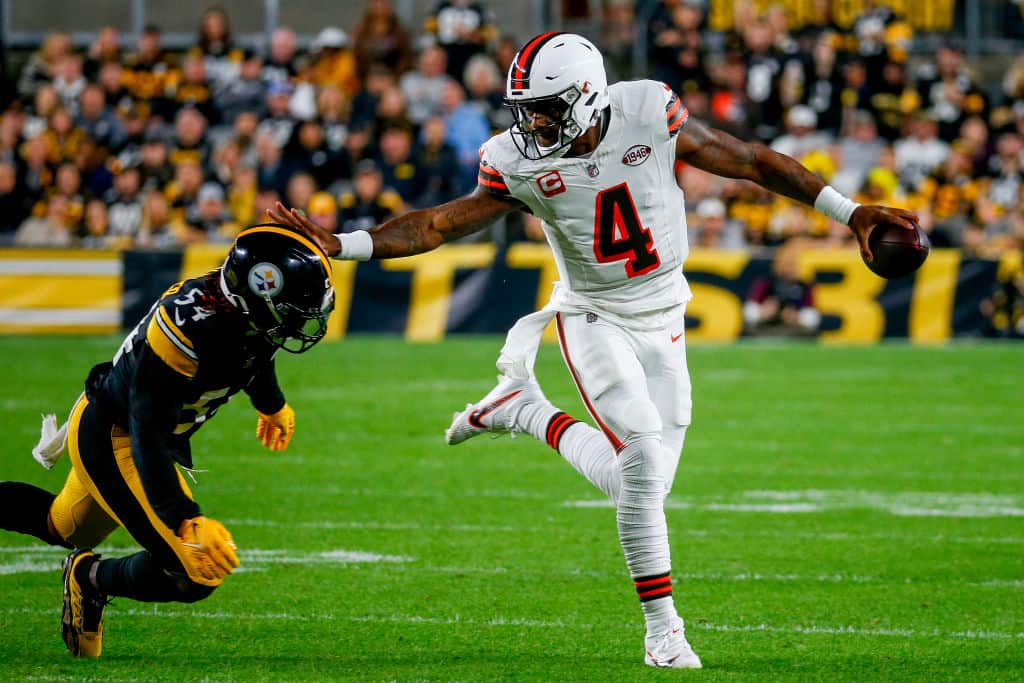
column 265, row 280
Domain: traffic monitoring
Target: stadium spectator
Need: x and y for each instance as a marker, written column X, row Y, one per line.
column 189, row 142
column 712, row 230
column 822, row 83
column 396, row 161
column 947, row 91
column 194, row 90
column 369, row 203
column 69, row 81
column 331, row 109
column 54, row 229
column 802, row 135
column 208, row 220
column 764, row 69
column 486, row 89
column 98, row 121
column 280, row 63
column 462, row 29
column 437, row 163
column 279, row 122
column 154, row 160
column 36, row 170
column 379, row 79
column 467, row 129
column 677, row 47
column 918, row 154
column 951, row 191
column 95, row 228
column 13, row 202
column 215, row 47
column 859, row 151
column 380, row 38
column 183, row 191
column 308, row 150
column 272, row 172
column 124, row 200
column 104, row 50
column 323, row 210
column 782, row 303
column 68, row 184
column 248, row 92
column 42, row 65
column 423, row 86
column 150, row 71
column 300, row 189
column 156, row 231
column 332, row 62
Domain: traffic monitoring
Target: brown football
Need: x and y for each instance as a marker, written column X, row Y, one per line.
column 898, row 252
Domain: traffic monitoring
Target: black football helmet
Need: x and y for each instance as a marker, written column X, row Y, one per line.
column 282, row 281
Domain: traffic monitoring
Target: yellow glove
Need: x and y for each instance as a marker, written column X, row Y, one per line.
column 211, row 549
column 275, row 431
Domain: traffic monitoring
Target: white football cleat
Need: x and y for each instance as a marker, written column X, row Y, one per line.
column 496, row 412
column 670, row 650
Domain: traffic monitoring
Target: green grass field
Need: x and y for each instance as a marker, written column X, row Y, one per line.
column 840, row 514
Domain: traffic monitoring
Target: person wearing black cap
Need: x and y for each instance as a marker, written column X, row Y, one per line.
column 369, row 202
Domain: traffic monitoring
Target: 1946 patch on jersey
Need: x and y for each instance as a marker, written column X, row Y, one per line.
column 636, row 155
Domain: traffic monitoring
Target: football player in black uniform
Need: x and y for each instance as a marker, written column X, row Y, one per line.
column 128, row 434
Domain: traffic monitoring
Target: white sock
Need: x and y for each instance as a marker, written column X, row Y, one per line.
column 585, row 448
column 643, row 531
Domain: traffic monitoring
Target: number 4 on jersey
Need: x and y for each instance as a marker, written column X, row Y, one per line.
column 619, row 235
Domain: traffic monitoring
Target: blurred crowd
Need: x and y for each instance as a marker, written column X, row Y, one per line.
column 139, row 146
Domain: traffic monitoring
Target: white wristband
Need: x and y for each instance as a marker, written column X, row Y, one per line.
column 355, row 246
column 834, row 205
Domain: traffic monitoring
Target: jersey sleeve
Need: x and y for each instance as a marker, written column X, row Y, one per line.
column 676, row 112
column 490, row 179
column 170, row 343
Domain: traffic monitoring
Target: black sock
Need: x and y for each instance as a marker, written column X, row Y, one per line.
column 140, row 577
column 26, row 509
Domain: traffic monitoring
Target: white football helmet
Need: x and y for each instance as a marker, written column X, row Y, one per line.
column 560, row 76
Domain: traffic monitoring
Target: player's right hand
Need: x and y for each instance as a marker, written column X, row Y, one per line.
column 213, row 551
column 297, row 219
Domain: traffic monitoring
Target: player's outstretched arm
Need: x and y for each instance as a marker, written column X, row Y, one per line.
column 717, row 152
column 411, row 233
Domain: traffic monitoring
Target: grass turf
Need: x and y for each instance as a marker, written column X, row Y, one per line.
column 839, row 514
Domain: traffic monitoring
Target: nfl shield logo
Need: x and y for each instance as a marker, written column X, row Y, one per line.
column 592, row 170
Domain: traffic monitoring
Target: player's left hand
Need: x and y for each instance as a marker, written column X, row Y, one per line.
column 297, row 219
column 866, row 217
column 275, row 431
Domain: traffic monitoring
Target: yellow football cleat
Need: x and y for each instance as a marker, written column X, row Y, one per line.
column 82, row 619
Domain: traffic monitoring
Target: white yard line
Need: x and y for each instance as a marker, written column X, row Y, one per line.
column 47, row 560
column 498, row 621
column 898, row 503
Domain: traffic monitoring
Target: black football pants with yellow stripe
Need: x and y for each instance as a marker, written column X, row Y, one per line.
column 103, row 491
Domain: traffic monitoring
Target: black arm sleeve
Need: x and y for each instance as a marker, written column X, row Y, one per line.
column 264, row 391
column 156, row 395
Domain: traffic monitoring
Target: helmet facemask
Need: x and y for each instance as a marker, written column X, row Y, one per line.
column 561, row 130
column 297, row 329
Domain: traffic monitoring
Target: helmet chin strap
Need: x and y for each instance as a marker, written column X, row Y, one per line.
column 236, row 301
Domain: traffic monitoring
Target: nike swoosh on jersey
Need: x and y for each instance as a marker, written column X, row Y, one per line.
column 676, row 337
column 476, row 415
column 178, row 321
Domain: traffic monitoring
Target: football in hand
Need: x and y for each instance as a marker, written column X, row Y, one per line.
column 898, row 252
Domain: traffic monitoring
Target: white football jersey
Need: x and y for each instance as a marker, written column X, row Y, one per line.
column 615, row 220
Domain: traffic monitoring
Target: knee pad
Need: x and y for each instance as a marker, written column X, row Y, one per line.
column 629, row 415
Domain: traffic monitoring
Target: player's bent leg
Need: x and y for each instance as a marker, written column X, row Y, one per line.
column 104, row 469
column 25, row 508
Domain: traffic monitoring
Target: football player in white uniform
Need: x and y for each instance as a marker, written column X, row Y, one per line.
column 595, row 163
